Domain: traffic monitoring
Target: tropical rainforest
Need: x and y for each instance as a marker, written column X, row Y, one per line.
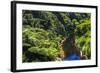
column 43, row 31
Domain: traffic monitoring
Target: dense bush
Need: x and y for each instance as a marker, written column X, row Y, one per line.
column 44, row 30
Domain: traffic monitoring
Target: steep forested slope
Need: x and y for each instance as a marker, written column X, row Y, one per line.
column 43, row 31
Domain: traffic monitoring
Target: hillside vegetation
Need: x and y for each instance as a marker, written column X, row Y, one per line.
column 43, row 31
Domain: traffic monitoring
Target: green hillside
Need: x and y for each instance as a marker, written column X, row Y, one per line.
column 43, row 32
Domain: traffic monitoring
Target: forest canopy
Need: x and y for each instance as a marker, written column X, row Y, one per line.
column 43, row 31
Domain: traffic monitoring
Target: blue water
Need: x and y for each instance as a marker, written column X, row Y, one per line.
column 72, row 57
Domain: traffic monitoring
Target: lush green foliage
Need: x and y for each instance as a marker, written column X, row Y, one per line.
column 44, row 30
